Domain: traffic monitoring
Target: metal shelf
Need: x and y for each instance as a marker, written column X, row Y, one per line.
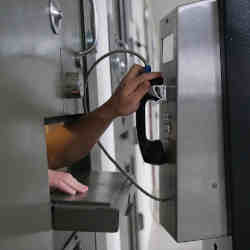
column 98, row 210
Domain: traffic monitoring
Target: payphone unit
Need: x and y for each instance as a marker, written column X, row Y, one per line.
column 191, row 146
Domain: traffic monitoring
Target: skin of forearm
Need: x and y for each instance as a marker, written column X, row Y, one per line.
column 70, row 143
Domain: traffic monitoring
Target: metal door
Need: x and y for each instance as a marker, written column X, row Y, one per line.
column 29, row 74
column 71, row 42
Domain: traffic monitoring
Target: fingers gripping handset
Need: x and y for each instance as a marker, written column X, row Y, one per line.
column 133, row 87
column 152, row 151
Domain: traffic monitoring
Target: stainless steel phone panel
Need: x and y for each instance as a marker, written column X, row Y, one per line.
column 199, row 179
column 168, row 172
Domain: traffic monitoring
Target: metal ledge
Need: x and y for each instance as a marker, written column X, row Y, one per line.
column 96, row 211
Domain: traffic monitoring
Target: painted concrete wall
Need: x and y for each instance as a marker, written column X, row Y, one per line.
column 102, row 86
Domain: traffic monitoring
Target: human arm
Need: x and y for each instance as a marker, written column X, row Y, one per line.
column 70, row 143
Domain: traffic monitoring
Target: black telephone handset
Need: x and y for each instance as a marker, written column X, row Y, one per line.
column 152, row 151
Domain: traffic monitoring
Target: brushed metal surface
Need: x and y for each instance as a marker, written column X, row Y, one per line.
column 106, row 189
column 201, row 177
column 30, row 84
column 168, row 173
column 91, row 39
column 198, row 179
column 98, row 210
column 71, row 38
column 29, row 55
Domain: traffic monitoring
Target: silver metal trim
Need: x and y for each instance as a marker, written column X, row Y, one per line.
column 95, row 28
column 56, row 16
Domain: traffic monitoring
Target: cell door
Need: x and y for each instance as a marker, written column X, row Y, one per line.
column 29, row 59
column 34, row 60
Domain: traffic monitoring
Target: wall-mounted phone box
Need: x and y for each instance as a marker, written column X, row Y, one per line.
column 195, row 180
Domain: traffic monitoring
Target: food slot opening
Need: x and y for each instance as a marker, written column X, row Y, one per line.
column 76, row 169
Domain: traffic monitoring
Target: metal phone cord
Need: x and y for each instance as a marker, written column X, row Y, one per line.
column 86, row 109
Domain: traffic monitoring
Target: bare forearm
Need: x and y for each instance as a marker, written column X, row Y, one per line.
column 70, row 143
